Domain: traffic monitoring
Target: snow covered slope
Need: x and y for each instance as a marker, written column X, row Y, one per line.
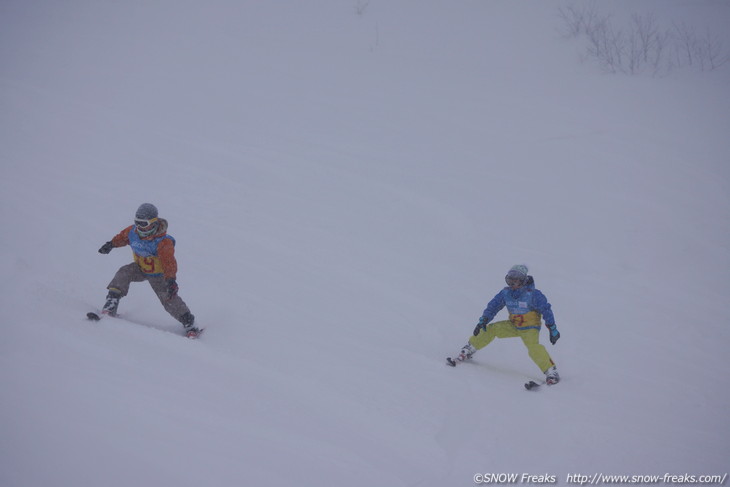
column 348, row 182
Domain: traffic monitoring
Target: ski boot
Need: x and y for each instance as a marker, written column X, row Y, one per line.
column 466, row 352
column 188, row 321
column 551, row 376
column 112, row 302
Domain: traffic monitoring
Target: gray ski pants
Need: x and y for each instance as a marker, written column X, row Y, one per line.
column 132, row 273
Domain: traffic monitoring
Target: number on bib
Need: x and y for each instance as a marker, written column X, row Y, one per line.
column 149, row 265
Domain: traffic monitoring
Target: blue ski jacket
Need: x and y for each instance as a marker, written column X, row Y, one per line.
column 526, row 307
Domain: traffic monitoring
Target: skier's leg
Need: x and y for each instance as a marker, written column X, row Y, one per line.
column 119, row 287
column 124, row 277
column 498, row 329
column 537, row 352
column 175, row 305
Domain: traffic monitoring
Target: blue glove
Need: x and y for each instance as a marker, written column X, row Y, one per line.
column 554, row 333
column 481, row 326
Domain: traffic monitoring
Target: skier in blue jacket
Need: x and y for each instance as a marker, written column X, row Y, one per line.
column 527, row 307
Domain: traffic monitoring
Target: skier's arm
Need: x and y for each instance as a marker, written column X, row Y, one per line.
column 496, row 304
column 166, row 253
column 119, row 240
column 494, row 307
column 122, row 238
column 543, row 307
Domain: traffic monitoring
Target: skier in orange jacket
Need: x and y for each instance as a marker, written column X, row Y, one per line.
column 154, row 262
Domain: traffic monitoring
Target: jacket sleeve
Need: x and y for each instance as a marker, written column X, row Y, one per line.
column 166, row 253
column 494, row 307
column 122, row 238
column 543, row 307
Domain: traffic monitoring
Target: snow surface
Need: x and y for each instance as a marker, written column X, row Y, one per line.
column 347, row 191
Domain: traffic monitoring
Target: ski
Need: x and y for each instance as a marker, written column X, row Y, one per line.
column 93, row 316
column 530, row 385
column 533, row 385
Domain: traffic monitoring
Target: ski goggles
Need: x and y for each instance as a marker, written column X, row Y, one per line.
column 514, row 279
column 145, row 224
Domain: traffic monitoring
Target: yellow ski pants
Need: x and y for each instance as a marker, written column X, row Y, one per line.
column 505, row 329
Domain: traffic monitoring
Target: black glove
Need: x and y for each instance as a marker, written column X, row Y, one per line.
column 171, row 288
column 106, row 248
column 481, row 326
column 554, row 333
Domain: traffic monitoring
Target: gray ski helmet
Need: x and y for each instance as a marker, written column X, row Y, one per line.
column 146, row 211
